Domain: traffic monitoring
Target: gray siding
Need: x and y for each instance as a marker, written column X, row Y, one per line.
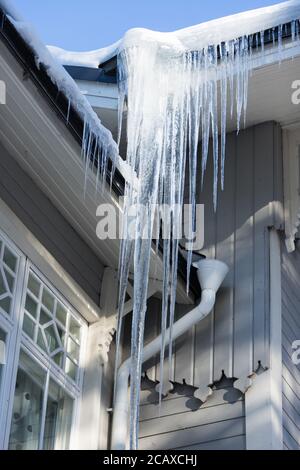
column 290, row 333
column 186, row 423
column 48, row 225
column 234, row 338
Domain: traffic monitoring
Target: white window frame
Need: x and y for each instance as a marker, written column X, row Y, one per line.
column 56, row 370
column 8, row 325
column 16, row 340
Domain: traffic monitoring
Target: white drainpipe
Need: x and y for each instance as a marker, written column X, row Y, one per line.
column 211, row 274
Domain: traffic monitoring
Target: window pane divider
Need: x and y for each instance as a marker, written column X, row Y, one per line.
column 44, row 411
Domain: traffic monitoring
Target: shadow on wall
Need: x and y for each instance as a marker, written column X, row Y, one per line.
column 230, row 394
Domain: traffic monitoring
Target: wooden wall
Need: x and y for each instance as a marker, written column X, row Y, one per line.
column 234, row 339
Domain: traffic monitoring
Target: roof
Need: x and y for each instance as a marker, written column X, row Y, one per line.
column 57, row 100
column 213, row 32
column 265, row 24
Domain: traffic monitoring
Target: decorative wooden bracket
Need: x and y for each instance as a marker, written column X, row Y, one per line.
column 107, row 326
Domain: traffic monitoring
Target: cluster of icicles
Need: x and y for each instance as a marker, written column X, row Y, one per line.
column 174, row 100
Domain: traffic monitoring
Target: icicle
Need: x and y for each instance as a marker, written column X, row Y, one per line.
column 231, row 74
column 280, row 42
column 173, row 99
column 293, row 30
column 273, row 36
column 68, row 111
column 256, row 41
column 205, row 115
column 223, row 116
column 262, row 42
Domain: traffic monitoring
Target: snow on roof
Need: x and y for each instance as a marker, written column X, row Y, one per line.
column 10, row 9
column 209, row 33
column 67, row 85
column 195, row 37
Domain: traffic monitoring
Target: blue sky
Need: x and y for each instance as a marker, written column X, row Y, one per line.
column 91, row 24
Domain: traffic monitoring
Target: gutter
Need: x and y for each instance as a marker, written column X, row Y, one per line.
column 270, row 37
column 211, row 274
column 55, row 98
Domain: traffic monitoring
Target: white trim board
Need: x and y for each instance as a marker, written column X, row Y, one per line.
column 263, row 400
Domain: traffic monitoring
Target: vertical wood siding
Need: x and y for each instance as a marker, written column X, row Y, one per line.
column 234, row 339
column 48, row 225
column 290, row 333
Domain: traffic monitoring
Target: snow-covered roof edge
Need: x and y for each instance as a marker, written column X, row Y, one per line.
column 202, row 35
column 65, row 83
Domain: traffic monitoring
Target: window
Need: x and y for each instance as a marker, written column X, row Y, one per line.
column 41, row 343
column 52, row 326
column 10, row 275
column 8, row 272
column 58, row 418
column 42, row 410
column 26, row 423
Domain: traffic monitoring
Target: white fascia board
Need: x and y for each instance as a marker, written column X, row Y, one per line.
column 272, row 54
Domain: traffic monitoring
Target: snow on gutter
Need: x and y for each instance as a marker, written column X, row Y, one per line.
column 211, row 32
column 65, row 83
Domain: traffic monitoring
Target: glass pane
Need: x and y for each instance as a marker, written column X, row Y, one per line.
column 74, row 328
column 10, row 280
column 58, row 359
column 28, row 326
column 34, row 285
column 27, row 407
column 41, row 341
column 31, row 306
column 51, row 338
column 3, row 288
column 73, row 350
column 10, row 259
column 61, row 334
column 5, row 304
column 71, row 369
column 44, row 317
column 58, row 418
column 48, row 300
column 61, row 314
